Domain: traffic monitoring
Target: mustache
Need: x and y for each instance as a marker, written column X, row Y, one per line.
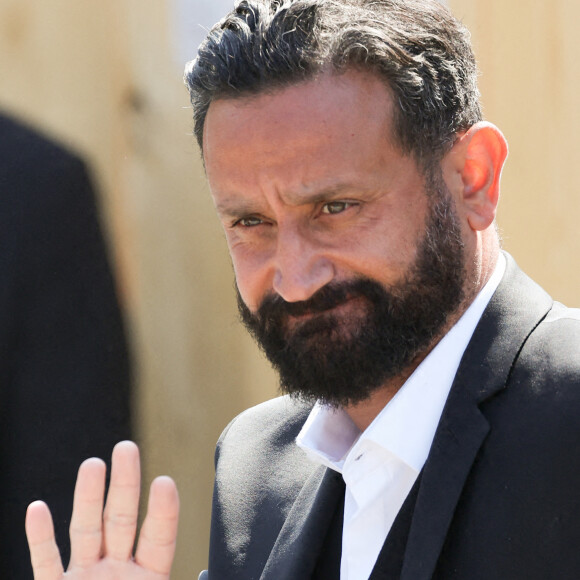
column 274, row 308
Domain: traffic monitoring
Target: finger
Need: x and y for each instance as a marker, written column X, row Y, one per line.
column 120, row 521
column 46, row 562
column 158, row 536
column 87, row 517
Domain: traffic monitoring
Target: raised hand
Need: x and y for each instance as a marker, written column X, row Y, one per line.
column 102, row 542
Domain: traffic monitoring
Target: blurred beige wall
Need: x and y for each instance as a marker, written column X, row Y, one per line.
column 106, row 78
column 530, row 82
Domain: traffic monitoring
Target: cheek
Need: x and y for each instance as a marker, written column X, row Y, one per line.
column 251, row 279
column 382, row 249
column 243, row 283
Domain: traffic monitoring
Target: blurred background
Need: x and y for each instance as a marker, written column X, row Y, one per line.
column 105, row 79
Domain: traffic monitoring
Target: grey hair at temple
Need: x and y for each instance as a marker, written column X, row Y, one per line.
column 421, row 51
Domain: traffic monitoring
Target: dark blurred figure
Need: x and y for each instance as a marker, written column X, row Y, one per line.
column 64, row 371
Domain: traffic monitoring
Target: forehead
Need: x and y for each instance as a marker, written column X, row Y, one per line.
column 306, row 132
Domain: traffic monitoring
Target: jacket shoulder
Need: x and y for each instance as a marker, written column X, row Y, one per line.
column 549, row 358
column 264, row 432
column 259, row 473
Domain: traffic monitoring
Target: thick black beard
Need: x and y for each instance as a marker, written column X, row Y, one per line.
column 342, row 360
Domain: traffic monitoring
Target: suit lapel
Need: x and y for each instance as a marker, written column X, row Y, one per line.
column 298, row 545
column 514, row 311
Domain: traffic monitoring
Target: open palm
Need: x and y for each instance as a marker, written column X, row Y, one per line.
column 102, row 541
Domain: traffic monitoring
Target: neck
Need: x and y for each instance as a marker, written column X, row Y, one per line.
column 363, row 413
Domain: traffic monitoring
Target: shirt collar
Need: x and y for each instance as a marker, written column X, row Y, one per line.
column 407, row 424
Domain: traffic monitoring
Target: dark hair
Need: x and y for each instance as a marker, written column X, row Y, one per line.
column 420, row 50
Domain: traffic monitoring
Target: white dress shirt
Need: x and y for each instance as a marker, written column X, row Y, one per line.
column 380, row 465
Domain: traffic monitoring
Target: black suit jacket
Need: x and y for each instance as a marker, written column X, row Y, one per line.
column 64, row 373
column 499, row 495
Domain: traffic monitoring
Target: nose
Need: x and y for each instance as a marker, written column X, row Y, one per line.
column 301, row 267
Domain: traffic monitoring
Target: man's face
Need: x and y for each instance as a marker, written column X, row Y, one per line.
column 346, row 262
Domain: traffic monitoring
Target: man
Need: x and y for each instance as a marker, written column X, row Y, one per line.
column 64, row 368
column 432, row 428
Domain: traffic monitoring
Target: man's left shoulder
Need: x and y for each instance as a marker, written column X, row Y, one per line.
column 561, row 314
column 546, row 372
column 553, row 346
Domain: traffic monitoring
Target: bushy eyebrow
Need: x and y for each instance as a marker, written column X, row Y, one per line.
column 233, row 207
